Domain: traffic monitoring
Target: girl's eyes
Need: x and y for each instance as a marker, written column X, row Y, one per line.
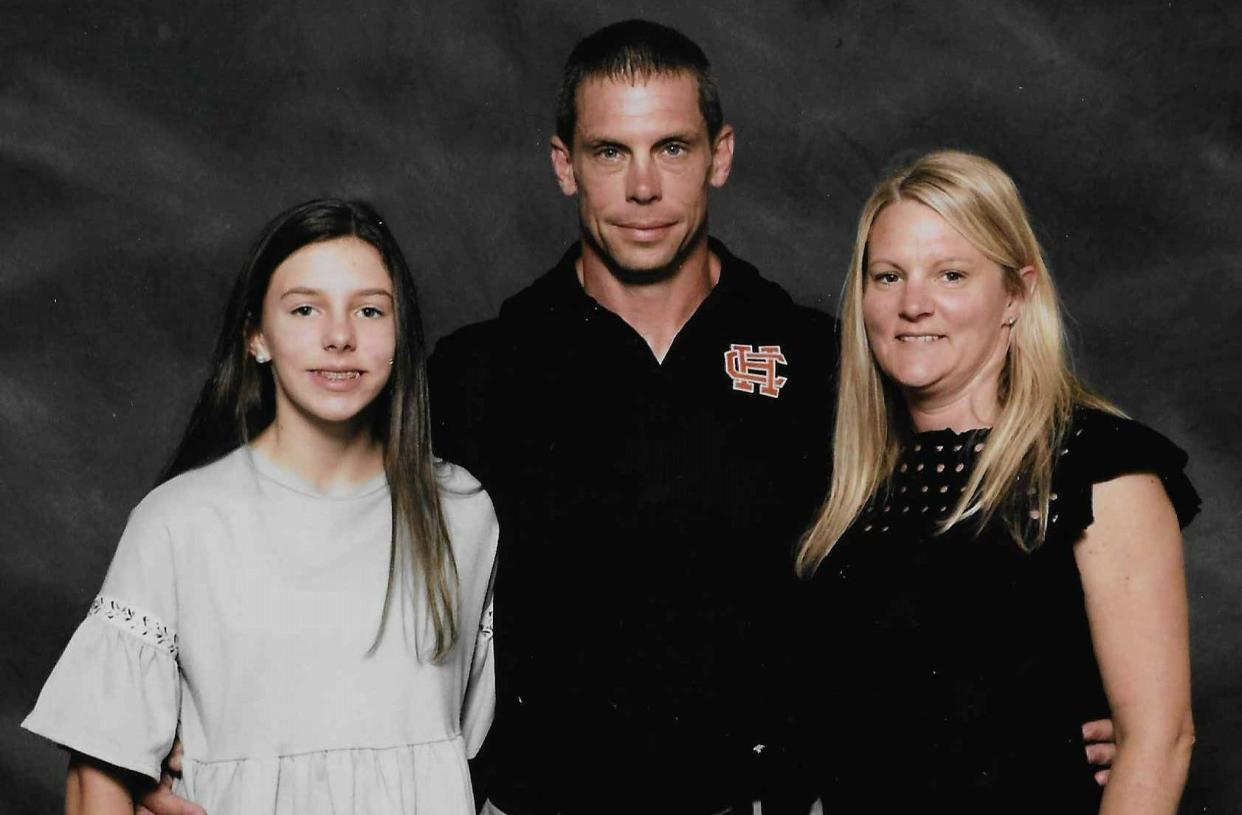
column 885, row 277
column 953, row 275
column 370, row 312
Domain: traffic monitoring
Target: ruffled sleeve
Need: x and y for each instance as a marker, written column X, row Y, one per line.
column 1100, row 447
column 115, row 692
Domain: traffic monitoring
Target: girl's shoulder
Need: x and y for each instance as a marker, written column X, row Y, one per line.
column 221, row 482
column 467, row 507
column 456, row 480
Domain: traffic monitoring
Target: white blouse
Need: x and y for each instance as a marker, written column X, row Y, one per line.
column 238, row 614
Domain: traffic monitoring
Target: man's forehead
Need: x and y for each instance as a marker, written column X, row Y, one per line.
column 606, row 101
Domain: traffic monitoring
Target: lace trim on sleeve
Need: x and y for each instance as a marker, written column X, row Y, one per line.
column 146, row 627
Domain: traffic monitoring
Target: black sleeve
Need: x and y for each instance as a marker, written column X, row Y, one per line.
column 1100, row 447
column 461, row 374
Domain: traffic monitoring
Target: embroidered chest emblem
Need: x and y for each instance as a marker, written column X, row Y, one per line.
column 751, row 368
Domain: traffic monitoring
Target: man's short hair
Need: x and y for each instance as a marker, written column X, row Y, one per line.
column 631, row 50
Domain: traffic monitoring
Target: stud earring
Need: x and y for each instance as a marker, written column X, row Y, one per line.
column 391, row 361
column 1011, row 321
column 262, row 357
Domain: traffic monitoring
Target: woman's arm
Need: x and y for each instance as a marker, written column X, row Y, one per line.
column 1134, row 580
column 95, row 788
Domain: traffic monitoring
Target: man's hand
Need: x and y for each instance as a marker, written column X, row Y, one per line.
column 160, row 800
column 1101, row 747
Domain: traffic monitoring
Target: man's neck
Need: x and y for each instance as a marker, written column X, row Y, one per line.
column 658, row 310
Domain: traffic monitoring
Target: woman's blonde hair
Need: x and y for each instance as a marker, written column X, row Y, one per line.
column 1012, row 478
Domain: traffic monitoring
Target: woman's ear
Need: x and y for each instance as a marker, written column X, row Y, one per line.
column 1017, row 300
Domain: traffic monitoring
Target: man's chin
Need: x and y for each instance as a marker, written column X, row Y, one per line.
column 636, row 272
column 645, row 268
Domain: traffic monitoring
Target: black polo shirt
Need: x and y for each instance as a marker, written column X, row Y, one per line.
column 648, row 512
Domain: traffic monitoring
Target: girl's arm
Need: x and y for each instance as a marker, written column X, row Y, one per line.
column 1133, row 577
column 95, row 788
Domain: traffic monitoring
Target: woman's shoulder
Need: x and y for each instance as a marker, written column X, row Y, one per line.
column 1100, row 446
column 1105, row 445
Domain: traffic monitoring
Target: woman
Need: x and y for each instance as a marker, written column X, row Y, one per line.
column 993, row 532
column 300, row 601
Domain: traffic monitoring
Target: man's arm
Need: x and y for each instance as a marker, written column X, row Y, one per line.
column 95, row 788
column 460, row 376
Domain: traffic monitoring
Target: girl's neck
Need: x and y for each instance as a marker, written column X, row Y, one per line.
column 332, row 459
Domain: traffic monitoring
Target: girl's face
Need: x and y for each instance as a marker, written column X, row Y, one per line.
column 329, row 329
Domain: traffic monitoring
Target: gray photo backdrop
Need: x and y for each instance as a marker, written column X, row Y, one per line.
column 142, row 145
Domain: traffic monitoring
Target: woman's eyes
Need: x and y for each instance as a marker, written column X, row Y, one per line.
column 889, row 278
column 303, row 311
column 371, row 312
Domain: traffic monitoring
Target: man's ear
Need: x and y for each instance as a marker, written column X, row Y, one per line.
column 563, row 166
column 722, row 157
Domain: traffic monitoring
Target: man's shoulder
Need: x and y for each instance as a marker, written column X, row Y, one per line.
column 528, row 309
column 764, row 299
column 471, row 341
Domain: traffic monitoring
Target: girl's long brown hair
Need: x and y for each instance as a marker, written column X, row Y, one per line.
column 238, row 401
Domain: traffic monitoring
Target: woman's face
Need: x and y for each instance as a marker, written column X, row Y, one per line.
column 936, row 309
column 330, row 331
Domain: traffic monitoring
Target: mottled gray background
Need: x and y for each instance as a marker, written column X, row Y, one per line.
column 142, row 144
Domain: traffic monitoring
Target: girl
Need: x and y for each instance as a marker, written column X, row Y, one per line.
column 302, row 600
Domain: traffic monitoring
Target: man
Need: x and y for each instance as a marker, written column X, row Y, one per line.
column 651, row 418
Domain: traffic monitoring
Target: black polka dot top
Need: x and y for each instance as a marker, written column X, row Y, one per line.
column 968, row 655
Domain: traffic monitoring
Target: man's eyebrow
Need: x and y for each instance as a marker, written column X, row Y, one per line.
column 685, row 138
column 593, row 142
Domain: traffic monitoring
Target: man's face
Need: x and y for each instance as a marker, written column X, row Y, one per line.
column 641, row 164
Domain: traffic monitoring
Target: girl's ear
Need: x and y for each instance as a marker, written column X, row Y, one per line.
column 258, row 347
